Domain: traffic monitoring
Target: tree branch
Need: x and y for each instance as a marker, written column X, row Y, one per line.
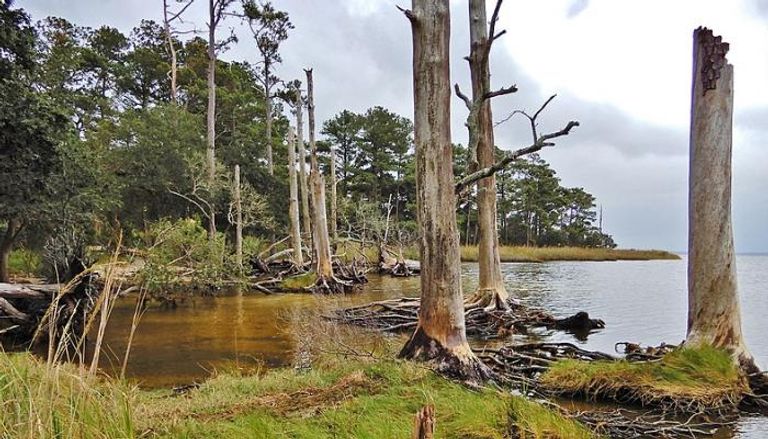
column 540, row 143
column 500, row 92
column 463, row 97
column 494, row 18
column 408, row 13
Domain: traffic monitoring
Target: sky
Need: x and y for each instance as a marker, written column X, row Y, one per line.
column 622, row 68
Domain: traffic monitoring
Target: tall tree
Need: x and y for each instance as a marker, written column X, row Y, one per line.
column 270, row 28
column 343, row 132
column 490, row 289
column 293, row 202
column 440, row 336
column 714, row 315
column 298, row 100
column 217, row 11
column 320, row 238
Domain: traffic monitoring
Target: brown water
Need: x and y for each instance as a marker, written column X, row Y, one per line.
column 641, row 301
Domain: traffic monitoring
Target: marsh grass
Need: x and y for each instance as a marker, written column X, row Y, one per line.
column 529, row 419
column 528, row 254
column 701, row 378
column 38, row 400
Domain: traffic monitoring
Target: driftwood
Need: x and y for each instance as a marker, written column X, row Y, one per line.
column 394, row 264
column 29, row 309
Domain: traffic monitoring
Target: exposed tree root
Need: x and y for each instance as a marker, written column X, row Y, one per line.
column 400, row 315
column 393, row 264
column 489, row 299
column 458, row 363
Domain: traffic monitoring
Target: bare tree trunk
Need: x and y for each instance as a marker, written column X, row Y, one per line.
column 334, row 205
column 714, row 316
column 440, row 335
column 268, row 102
column 211, row 116
column 305, row 212
column 293, row 208
column 172, row 50
column 6, row 245
column 319, row 218
column 490, row 290
column 239, row 219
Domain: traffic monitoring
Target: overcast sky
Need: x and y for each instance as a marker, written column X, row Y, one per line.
column 622, row 68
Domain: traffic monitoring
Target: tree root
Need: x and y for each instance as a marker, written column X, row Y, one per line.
column 401, row 315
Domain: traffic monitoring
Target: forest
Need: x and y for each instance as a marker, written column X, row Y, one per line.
column 146, row 174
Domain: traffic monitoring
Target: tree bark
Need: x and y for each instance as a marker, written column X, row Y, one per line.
column 268, row 104
column 490, row 290
column 239, row 219
column 293, row 208
column 440, row 335
column 320, row 237
column 211, row 114
column 334, row 205
column 305, row 212
column 714, row 316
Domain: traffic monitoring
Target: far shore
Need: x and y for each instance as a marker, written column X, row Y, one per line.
column 549, row 254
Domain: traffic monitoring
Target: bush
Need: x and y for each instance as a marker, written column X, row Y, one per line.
column 24, row 262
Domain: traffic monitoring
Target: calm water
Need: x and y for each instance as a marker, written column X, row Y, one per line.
column 640, row 301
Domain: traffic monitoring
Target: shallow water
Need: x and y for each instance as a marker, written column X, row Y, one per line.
column 642, row 301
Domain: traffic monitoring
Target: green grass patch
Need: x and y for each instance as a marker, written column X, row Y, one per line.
column 529, row 419
column 703, row 376
column 544, row 254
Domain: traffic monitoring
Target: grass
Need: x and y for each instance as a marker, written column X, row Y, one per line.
column 532, row 420
column 299, row 282
column 41, row 401
column 703, row 376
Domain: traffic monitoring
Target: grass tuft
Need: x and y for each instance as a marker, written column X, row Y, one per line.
column 704, row 378
column 529, row 419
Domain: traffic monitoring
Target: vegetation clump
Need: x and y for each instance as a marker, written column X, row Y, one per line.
column 686, row 379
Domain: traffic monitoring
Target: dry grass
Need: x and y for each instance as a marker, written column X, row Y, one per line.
column 697, row 379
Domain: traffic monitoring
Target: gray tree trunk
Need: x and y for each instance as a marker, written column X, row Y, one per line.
column 304, row 186
column 440, row 336
column 172, row 50
column 293, row 207
column 268, row 102
column 334, row 202
column 490, row 290
column 239, row 221
column 211, row 115
column 320, row 237
column 714, row 316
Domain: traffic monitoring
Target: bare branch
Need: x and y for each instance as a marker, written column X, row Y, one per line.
column 408, row 13
column 535, row 115
column 540, row 143
column 205, row 212
column 463, row 97
column 494, row 18
column 500, row 92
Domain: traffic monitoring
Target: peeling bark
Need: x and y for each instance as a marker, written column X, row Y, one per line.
column 293, row 205
column 305, row 211
column 440, row 336
column 490, row 290
column 714, row 315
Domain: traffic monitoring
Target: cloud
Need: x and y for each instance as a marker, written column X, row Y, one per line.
column 576, row 8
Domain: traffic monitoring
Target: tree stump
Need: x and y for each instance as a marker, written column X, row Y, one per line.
column 424, row 423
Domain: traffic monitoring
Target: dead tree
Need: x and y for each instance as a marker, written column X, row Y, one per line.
column 490, row 290
column 440, row 335
column 217, row 11
column 714, row 316
column 303, row 183
column 238, row 221
column 326, row 281
column 293, row 204
column 168, row 18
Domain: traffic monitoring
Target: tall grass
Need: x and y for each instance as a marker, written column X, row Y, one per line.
column 41, row 401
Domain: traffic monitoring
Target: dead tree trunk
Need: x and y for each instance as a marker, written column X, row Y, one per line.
column 424, row 423
column 239, row 221
column 305, row 212
column 293, row 208
column 14, row 227
column 334, row 205
column 440, row 335
column 211, row 113
column 320, row 237
column 714, row 316
column 490, row 290
column 171, row 50
column 268, row 105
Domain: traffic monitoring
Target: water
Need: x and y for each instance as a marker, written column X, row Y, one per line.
column 644, row 301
